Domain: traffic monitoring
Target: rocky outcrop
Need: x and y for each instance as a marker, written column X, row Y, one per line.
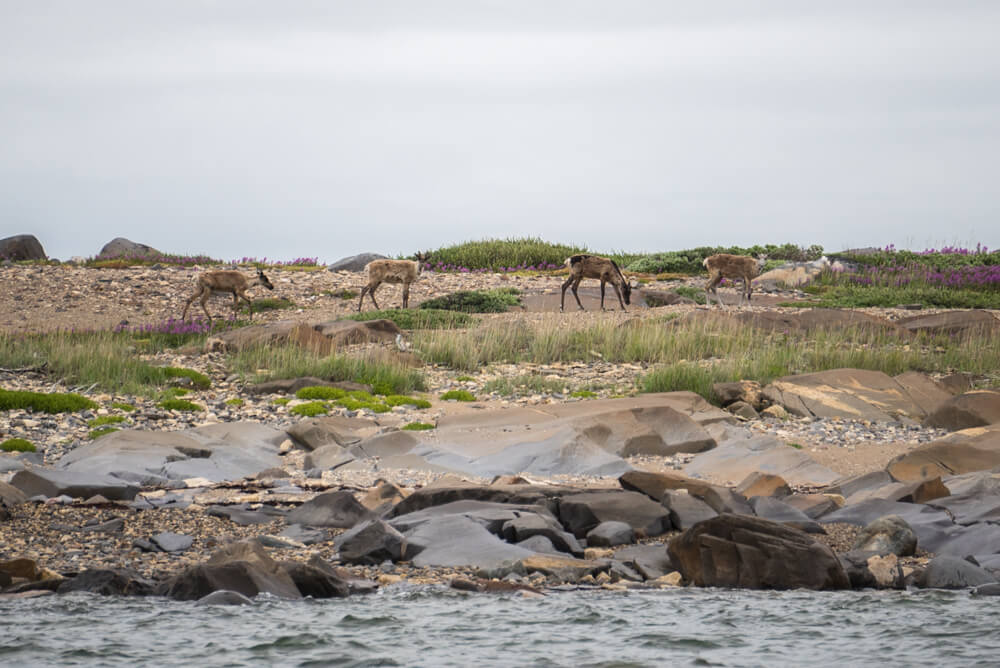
column 966, row 451
column 971, row 409
column 355, row 262
column 81, row 485
column 887, row 535
column 752, row 553
column 21, row 247
column 855, row 394
column 973, row 321
column 580, row 513
column 122, row 247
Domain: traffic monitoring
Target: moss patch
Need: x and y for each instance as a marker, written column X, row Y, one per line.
column 18, row 445
column 104, row 420
column 417, row 426
column 458, row 395
column 310, row 409
column 44, row 402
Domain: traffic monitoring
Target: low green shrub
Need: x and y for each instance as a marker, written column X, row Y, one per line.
column 128, row 408
column 497, row 300
column 51, row 402
column 281, row 401
column 235, row 402
column 97, row 433
column 321, row 392
column 353, row 404
column 417, row 426
column 105, row 419
column 583, row 394
column 400, row 400
column 310, row 409
column 179, row 405
column 458, row 395
column 18, row 445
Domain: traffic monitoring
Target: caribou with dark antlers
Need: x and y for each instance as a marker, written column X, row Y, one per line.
column 228, row 281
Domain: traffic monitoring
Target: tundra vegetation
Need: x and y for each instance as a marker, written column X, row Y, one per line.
column 674, row 354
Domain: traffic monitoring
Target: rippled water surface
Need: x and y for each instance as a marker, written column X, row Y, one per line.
column 440, row 627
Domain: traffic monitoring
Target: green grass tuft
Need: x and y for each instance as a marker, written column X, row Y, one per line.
column 97, row 433
column 310, row 409
column 235, row 402
column 322, row 392
column 44, row 402
column 18, row 445
column 583, row 394
column 104, row 420
column 417, row 426
column 458, row 395
column 128, row 408
column 281, row 401
column 179, row 405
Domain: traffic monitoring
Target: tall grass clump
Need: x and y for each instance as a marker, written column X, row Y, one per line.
column 261, row 363
column 422, row 318
column 693, row 354
column 690, row 261
column 501, row 255
column 105, row 359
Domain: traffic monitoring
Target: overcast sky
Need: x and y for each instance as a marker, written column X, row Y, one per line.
column 323, row 129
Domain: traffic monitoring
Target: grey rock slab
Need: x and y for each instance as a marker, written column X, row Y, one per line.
column 459, row 541
column 779, row 511
column 610, row 534
column 241, row 515
column 973, row 540
column 540, row 544
column 813, row 505
column 330, row 509
column 314, row 433
column 685, row 509
column 491, row 515
column 81, row 485
column 527, row 524
column 970, row 508
column 977, row 482
column 650, row 559
column 304, row 535
column 737, row 457
column 328, row 457
column 371, row 542
column 172, row 542
column 850, row 485
column 218, row 452
column 579, row 513
column 385, row 445
column 948, row 572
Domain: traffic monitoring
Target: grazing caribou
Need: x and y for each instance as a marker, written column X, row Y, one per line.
column 734, row 267
column 594, row 266
column 228, row 281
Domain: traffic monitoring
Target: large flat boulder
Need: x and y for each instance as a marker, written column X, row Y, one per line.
column 580, row 513
column 453, row 540
column 122, row 247
column 965, row 451
column 857, row 394
column 971, row 508
column 77, row 484
column 753, row 553
column 951, row 322
column 313, row 433
column 217, row 452
column 971, row 409
column 740, row 454
column 355, row 262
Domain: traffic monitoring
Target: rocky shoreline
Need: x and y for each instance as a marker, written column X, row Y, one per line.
column 523, row 492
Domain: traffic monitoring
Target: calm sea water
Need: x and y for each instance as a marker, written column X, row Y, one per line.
column 440, row 627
